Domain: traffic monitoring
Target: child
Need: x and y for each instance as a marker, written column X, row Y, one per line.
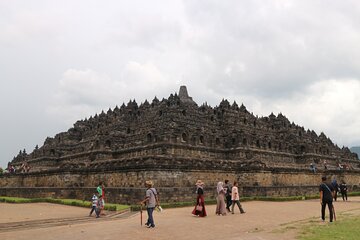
column 94, row 200
column 99, row 206
column 235, row 198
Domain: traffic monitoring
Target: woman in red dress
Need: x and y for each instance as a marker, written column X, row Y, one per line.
column 199, row 209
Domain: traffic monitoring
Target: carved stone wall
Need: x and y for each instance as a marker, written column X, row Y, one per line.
column 175, row 142
column 128, row 186
column 203, row 132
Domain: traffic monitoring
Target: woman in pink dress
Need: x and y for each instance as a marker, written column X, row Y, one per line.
column 220, row 200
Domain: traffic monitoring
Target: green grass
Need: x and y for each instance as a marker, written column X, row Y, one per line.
column 347, row 229
column 119, row 207
column 70, row 202
column 354, row 194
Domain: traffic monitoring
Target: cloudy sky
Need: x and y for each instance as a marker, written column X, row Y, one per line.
column 61, row 61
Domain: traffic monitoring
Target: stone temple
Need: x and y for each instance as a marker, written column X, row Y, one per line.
column 174, row 142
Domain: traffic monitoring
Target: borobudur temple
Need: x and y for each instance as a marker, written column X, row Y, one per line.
column 174, row 142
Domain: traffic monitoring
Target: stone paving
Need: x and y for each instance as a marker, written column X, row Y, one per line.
column 262, row 220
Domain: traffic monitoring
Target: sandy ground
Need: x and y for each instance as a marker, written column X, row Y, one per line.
column 262, row 220
column 38, row 211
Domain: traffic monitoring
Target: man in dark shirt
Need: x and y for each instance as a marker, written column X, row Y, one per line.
column 326, row 197
column 343, row 190
column 228, row 195
column 336, row 188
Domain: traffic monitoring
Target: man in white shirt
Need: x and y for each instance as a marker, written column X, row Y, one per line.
column 235, row 198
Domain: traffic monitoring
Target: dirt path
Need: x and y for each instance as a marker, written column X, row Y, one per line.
column 262, row 220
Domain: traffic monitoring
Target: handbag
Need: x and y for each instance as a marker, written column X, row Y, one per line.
column 158, row 208
column 199, row 208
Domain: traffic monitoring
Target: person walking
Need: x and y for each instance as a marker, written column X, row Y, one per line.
column 228, row 194
column 336, row 188
column 101, row 192
column 343, row 190
column 199, row 209
column 220, row 202
column 235, row 198
column 103, row 195
column 151, row 200
column 313, row 167
column 99, row 206
column 99, row 188
column 326, row 198
column 94, row 200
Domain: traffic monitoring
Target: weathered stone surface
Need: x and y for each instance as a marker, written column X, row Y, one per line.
column 174, row 186
column 175, row 142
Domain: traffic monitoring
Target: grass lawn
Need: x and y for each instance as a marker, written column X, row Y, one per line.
column 71, row 202
column 348, row 229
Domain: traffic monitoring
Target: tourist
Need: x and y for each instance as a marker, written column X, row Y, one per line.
column 94, row 201
column 99, row 188
column 199, row 209
column 325, row 165
column 11, row 169
column 103, row 195
column 151, row 200
column 336, row 188
column 99, row 206
column 343, row 190
column 220, row 202
column 235, row 198
column 340, row 167
column 326, row 198
column 313, row 167
column 227, row 189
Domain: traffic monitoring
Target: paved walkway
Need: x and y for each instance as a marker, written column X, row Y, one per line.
column 262, row 220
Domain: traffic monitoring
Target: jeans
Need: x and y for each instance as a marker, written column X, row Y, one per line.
column 92, row 210
column 344, row 196
column 97, row 211
column 150, row 221
column 330, row 206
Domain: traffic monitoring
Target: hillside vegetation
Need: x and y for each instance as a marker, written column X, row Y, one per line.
column 356, row 150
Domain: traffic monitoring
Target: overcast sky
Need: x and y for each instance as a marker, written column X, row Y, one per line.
column 62, row 61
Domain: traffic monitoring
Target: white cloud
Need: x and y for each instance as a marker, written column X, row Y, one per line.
column 295, row 57
column 82, row 93
column 329, row 106
column 285, row 47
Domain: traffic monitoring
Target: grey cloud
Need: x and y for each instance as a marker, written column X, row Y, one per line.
column 283, row 49
column 66, row 61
